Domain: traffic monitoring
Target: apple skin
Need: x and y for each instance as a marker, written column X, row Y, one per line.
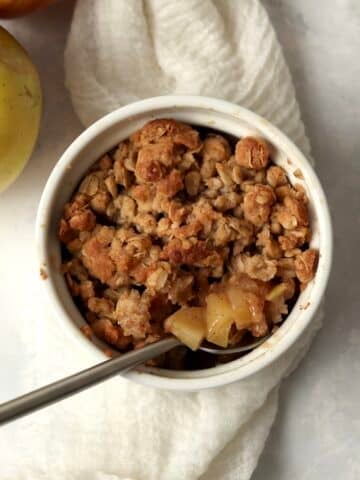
column 20, row 108
column 16, row 8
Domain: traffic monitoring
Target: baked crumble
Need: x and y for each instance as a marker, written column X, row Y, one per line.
column 173, row 215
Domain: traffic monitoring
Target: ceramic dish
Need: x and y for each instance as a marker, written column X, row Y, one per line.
column 198, row 111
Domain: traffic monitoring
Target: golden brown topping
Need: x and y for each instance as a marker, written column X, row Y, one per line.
column 259, row 268
column 236, row 174
column 87, row 331
column 122, row 175
column 288, row 241
column 111, row 186
column 100, row 202
column 86, row 289
column 216, row 148
column 222, row 233
column 90, row 185
column 146, row 223
column 122, row 259
column 105, row 330
column 298, row 173
column 300, row 193
column 164, row 130
column 186, row 231
column 181, row 292
column 148, row 170
column 276, row 177
column 127, row 208
column 286, row 268
column 144, row 196
column 227, row 202
column 256, row 303
column 185, row 252
column 169, row 219
column 158, row 152
column 252, row 153
column 305, row 265
column 84, row 220
column 289, row 288
column 132, row 313
column 171, row 185
column 186, row 161
column 257, row 204
column 224, row 172
column 157, row 279
column 96, row 259
column 100, row 305
column 293, row 214
column 105, row 162
column 203, row 211
column 104, row 234
column 270, row 246
column 192, row 183
column 66, row 234
column 284, row 191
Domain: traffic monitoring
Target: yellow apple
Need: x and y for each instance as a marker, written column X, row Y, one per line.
column 20, row 108
column 15, row 8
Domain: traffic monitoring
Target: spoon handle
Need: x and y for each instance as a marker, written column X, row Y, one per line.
column 68, row 386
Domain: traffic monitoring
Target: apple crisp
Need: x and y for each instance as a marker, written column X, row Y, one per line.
column 171, row 217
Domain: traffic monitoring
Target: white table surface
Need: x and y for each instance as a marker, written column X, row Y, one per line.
column 317, row 431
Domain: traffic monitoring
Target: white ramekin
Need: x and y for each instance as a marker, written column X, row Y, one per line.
column 225, row 117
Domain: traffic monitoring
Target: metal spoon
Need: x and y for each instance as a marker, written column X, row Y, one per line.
column 68, row 386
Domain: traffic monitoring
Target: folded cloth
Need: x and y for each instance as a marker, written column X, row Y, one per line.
column 118, row 52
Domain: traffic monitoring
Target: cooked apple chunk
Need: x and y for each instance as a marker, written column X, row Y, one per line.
column 219, row 318
column 239, row 304
column 189, row 325
column 276, row 292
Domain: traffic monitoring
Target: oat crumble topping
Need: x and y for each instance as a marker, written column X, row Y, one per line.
column 169, row 215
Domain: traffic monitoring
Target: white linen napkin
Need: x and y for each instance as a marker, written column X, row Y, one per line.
column 120, row 51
